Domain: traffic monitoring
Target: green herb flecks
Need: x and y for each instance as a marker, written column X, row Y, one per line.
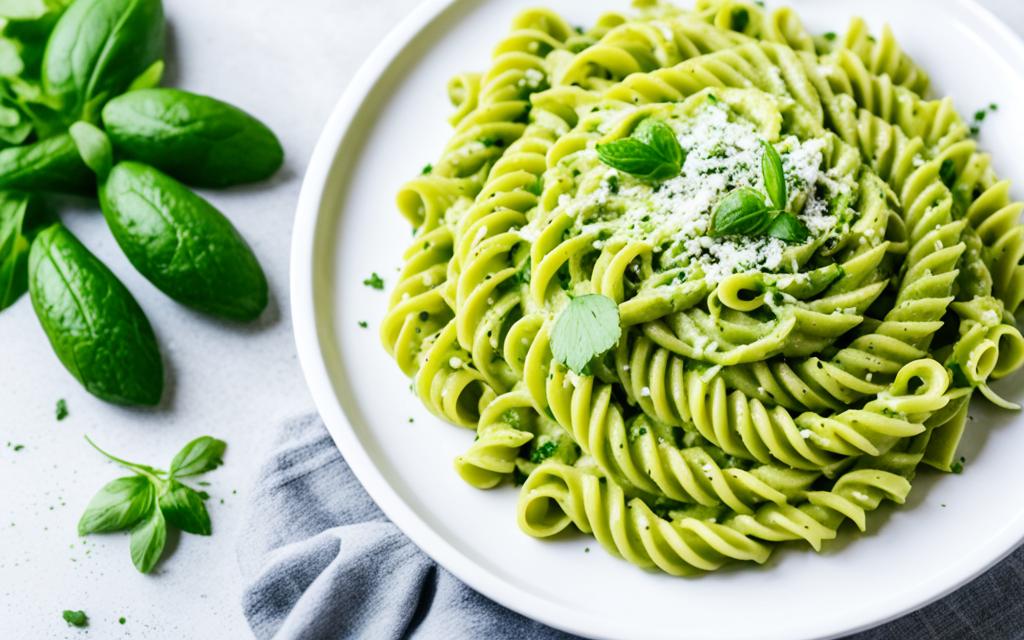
column 651, row 153
column 543, row 452
column 75, row 618
column 587, row 328
column 62, row 409
column 374, row 281
column 363, row 324
column 746, row 212
column 153, row 499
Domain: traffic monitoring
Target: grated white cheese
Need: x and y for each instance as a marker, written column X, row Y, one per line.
column 723, row 153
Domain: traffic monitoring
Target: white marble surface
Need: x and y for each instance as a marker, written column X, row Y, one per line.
column 286, row 62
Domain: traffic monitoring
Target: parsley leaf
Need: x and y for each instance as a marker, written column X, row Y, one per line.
column 75, row 618
column 652, row 152
column 586, row 328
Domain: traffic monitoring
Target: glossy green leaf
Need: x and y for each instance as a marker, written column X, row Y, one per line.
column 651, row 153
column 53, row 164
column 149, row 78
column 774, row 178
column 787, row 227
column 96, row 50
column 94, row 147
column 95, row 326
column 119, row 505
column 182, row 244
column 183, row 508
column 742, row 211
column 196, row 139
column 199, row 456
column 148, row 539
column 13, row 247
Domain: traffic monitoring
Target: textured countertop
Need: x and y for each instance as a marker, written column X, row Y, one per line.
column 287, row 63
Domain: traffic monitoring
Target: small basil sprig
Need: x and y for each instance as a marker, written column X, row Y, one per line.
column 744, row 211
column 151, row 499
column 652, row 152
column 586, row 328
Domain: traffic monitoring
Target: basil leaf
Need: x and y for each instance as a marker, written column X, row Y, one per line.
column 199, row 456
column 586, row 328
column 947, row 173
column 741, row 212
column 13, row 247
column 785, row 226
column 774, row 178
column 117, row 506
column 183, row 508
column 94, row 147
column 651, row 153
column 662, row 140
column 148, row 539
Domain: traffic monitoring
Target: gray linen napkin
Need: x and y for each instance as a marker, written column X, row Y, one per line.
column 321, row 561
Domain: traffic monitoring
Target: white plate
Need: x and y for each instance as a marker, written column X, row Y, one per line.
column 390, row 122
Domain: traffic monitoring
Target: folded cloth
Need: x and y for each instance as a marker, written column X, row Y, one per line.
column 320, row 560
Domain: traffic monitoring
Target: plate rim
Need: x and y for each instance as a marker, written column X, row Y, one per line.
column 307, row 336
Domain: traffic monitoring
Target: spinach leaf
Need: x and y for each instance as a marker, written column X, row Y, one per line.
column 53, row 164
column 182, row 244
column 95, row 326
column 94, row 147
column 196, row 139
column 13, row 247
column 96, row 50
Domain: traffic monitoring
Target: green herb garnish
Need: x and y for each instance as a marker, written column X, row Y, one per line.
column 363, row 324
column 651, row 153
column 75, row 618
column 147, row 502
column 740, row 19
column 374, row 281
column 62, row 409
column 586, row 328
column 744, row 211
column 543, row 452
column 947, row 172
column 427, row 169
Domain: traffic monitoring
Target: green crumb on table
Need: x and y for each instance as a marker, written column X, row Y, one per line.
column 62, row 409
column 75, row 618
column 121, row 620
column 411, row 421
column 374, row 281
column 586, row 549
column 15, row 447
column 831, row 35
column 427, row 169
column 363, row 324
